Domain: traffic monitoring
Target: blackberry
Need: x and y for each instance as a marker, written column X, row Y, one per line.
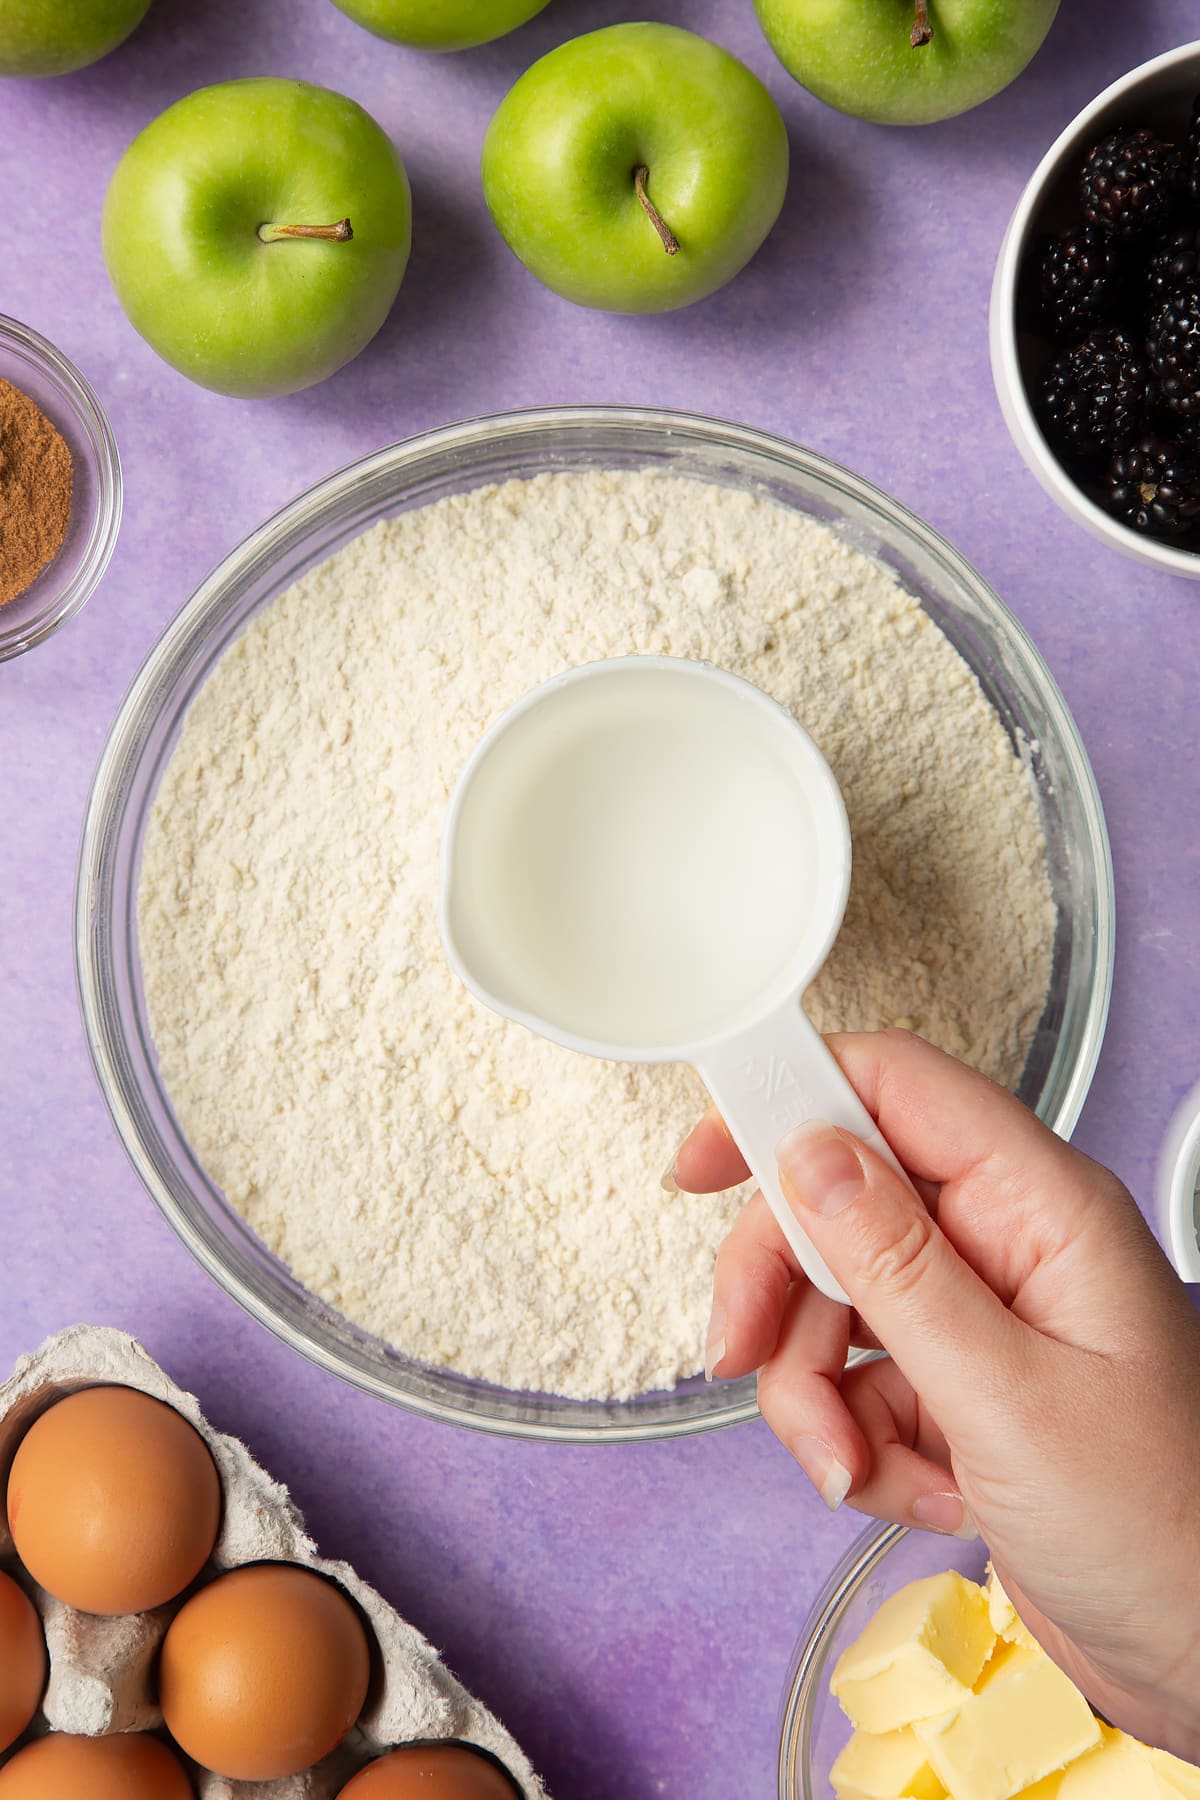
column 1131, row 183
column 1173, row 343
column 1094, row 397
column 1154, row 487
column 1191, row 156
column 1173, row 260
column 1080, row 282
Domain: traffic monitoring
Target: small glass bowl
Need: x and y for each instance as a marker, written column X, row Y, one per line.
column 417, row 473
column 30, row 362
column 879, row 1563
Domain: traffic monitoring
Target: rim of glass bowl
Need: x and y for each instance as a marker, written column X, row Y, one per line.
column 331, row 513
column 807, row 1671
column 80, row 399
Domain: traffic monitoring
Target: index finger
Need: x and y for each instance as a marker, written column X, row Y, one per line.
column 708, row 1161
column 754, row 1274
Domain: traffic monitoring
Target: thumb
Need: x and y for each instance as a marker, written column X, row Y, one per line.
column 952, row 1338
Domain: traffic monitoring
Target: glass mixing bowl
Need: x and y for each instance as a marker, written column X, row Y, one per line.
column 877, row 1564
column 312, row 528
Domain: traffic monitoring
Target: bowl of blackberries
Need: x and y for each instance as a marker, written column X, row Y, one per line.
column 1095, row 315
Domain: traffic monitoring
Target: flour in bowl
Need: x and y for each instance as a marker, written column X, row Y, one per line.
column 479, row 1198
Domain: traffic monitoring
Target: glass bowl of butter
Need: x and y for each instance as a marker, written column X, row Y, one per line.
column 877, row 1565
column 915, row 1677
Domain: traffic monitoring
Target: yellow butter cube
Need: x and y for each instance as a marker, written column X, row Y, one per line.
column 1003, row 1614
column 853, row 1793
column 1177, row 1776
column 1118, row 1768
column 918, row 1656
column 1026, row 1721
column 889, row 1766
column 1046, row 1789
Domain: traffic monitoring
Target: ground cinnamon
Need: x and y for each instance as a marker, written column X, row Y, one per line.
column 35, row 491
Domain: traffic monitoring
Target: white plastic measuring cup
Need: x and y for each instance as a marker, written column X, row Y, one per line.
column 647, row 860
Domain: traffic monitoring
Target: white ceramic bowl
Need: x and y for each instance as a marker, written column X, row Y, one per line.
column 1160, row 94
column 1179, row 1187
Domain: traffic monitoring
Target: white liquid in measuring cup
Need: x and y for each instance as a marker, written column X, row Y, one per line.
column 641, row 860
column 647, row 859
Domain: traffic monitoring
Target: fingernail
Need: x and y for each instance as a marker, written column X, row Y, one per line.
column 945, row 1513
column 818, row 1169
column 719, row 1121
column 715, row 1346
column 830, row 1477
column 668, row 1182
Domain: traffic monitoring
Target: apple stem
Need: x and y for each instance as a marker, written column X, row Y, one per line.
column 922, row 30
column 341, row 233
column 670, row 242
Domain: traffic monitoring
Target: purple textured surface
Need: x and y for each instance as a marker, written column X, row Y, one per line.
column 630, row 1612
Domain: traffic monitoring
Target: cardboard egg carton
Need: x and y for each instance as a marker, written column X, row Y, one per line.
column 102, row 1670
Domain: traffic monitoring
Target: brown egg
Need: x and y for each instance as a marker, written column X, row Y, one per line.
column 430, row 1772
column 113, row 1501
column 58, row 1767
column 263, row 1672
column 22, row 1661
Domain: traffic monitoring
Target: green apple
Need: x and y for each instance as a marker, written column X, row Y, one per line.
column 256, row 234
column 440, row 24
column 905, row 62
column 54, row 37
column 636, row 168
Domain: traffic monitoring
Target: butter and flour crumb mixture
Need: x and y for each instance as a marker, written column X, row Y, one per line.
column 479, row 1198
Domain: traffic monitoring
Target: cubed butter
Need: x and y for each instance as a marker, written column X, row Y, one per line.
column 918, row 1657
column 1178, row 1777
column 1046, row 1789
column 890, row 1766
column 1026, row 1721
column 1003, row 1614
column 1117, row 1769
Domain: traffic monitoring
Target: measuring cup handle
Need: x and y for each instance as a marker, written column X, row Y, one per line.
column 767, row 1081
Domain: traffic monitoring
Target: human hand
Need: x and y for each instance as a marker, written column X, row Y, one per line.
column 1043, row 1373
